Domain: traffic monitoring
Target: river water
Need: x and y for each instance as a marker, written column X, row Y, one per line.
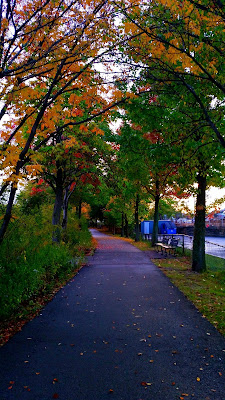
column 213, row 245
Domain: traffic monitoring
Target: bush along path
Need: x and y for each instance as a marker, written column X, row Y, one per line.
column 119, row 329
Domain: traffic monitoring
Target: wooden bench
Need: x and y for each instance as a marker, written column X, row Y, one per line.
column 167, row 247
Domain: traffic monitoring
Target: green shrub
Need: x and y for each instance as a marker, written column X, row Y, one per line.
column 30, row 261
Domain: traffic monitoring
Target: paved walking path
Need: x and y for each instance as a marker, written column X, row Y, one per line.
column 119, row 330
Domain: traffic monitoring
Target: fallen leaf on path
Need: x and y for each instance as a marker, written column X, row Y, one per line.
column 198, row 379
column 55, row 396
column 111, row 390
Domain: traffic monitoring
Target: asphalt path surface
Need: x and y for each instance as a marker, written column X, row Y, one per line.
column 119, row 330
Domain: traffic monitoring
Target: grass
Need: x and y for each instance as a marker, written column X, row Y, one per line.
column 206, row 291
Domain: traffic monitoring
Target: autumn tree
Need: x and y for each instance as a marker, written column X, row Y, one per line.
column 181, row 42
column 48, row 50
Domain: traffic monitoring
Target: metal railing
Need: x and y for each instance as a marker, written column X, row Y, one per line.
column 186, row 242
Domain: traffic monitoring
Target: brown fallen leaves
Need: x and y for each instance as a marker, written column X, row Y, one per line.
column 146, row 383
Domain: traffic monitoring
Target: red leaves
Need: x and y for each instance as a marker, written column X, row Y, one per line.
column 153, row 137
column 78, row 155
column 35, row 190
column 152, row 99
column 55, row 396
column 76, row 112
column 11, row 385
column 72, row 186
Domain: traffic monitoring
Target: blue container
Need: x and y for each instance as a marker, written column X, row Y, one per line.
column 164, row 226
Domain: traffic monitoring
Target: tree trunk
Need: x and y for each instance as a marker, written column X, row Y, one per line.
column 8, row 212
column 68, row 192
column 65, row 208
column 198, row 254
column 56, row 217
column 122, row 225
column 137, row 235
column 155, row 228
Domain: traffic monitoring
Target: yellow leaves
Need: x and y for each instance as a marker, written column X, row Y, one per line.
column 131, row 95
column 71, row 142
column 83, row 128
column 4, row 24
column 130, row 28
column 98, row 131
column 74, row 99
column 34, row 169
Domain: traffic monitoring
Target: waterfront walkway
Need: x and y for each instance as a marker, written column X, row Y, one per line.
column 119, row 330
